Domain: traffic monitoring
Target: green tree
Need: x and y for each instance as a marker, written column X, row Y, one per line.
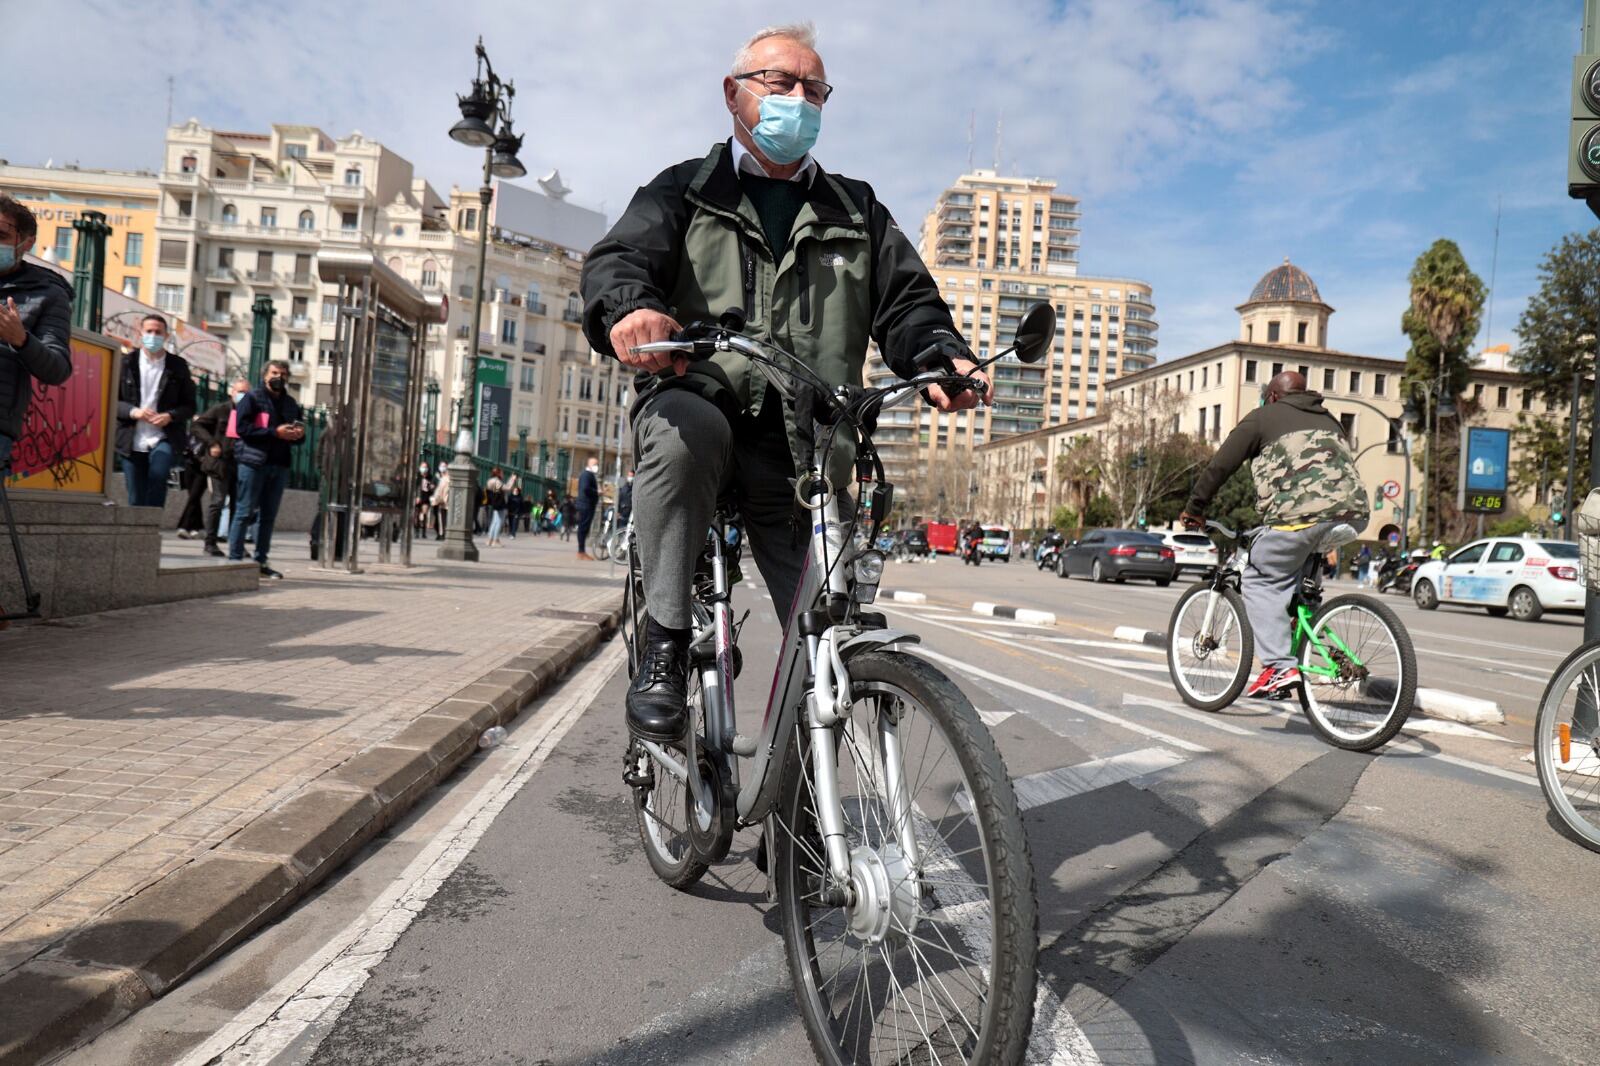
column 1064, row 518
column 1441, row 323
column 1100, row 512
column 1556, row 333
column 1139, row 461
column 1234, row 505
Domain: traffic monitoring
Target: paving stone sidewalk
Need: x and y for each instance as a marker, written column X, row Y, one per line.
column 134, row 741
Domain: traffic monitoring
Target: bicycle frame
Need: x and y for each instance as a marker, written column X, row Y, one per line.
column 1304, row 632
column 812, row 665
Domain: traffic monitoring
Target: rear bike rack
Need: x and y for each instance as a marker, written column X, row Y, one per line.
column 30, row 598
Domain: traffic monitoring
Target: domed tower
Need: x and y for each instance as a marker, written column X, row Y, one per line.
column 1285, row 308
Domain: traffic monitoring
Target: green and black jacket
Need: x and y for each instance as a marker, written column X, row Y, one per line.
column 691, row 245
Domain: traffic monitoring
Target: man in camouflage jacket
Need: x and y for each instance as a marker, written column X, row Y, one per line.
column 1306, row 484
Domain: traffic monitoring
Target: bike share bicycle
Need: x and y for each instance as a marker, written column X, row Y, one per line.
column 892, row 837
column 1566, row 730
column 1358, row 668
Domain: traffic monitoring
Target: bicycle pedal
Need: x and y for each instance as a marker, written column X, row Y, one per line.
column 632, row 776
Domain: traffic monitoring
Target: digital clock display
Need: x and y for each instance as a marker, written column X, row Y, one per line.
column 1485, row 502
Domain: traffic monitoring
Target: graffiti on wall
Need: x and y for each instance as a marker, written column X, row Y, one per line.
column 64, row 437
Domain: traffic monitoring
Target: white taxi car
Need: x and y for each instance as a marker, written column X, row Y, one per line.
column 1192, row 551
column 1522, row 577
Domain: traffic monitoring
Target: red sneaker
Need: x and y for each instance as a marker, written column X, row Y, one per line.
column 1262, row 685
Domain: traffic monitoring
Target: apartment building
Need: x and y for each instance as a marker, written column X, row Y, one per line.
column 58, row 196
column 995, row 245
column 1018, row 477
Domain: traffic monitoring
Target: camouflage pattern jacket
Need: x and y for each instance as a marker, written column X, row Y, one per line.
column 1300, row 461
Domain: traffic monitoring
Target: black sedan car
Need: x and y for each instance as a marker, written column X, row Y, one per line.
column 1118, row 554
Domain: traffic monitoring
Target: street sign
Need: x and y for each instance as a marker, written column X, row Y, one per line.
column 1485, row 459
column 1391, row 490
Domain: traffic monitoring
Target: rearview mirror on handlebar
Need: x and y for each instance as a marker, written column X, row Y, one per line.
column 1034, row 334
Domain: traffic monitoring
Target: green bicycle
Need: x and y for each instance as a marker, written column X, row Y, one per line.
column 1358, row 668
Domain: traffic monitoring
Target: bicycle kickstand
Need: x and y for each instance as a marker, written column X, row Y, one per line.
column 30, row 598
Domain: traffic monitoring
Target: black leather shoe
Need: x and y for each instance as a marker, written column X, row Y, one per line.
column 657, row 696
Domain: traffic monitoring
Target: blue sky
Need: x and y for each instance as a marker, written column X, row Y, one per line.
column 1208, row 139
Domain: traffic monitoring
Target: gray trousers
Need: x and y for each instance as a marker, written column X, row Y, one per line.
column 1270, row 577
column 688, row 455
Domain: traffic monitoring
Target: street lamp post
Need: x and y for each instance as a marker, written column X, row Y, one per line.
column 431, row 412
column 485, row 108
column 522, row 447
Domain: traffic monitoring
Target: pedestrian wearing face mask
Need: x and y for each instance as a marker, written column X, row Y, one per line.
column 155, row 400
column 35, row 324
column 210, row 431
column 819, row 267
column 270, row 423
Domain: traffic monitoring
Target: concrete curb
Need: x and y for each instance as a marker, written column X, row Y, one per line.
column 1135, row 635
column 107, row 970
column 904, row 597
column 1021, row 614
column 1454, row 707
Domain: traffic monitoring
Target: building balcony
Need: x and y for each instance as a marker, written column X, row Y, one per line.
column 260, row 277
column 181, row 223
column 294, row 323
column 181, row 179
column 219, row 319
column 533, row 347
column 346, row 236
column 571, row 316
column 348, row 194
column 537, row 309
column 255, row 230
column 297, row 280
column 574, row 355
column 222, row 274
column 463, row 332
column 1142, row 319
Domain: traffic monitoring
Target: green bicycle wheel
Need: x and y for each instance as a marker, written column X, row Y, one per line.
column 1359, row 673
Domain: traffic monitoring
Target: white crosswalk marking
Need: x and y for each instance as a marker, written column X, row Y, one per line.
column 1210, row 721
column 1036, row 790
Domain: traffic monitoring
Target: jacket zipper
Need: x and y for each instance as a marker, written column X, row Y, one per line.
column 749, row 278
column 805, row 287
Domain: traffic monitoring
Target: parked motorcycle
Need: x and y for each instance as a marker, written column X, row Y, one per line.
column 1048, row 556
column 1396, row 573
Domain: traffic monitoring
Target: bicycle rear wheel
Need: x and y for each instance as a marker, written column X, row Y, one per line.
column 664, row 807
column 1359, row 673
column 1566, row 744
column 930, row 961
column 1209, row 666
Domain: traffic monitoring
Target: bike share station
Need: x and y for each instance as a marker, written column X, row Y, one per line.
column 368, row 453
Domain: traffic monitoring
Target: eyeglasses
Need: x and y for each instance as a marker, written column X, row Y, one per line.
column 783, row 83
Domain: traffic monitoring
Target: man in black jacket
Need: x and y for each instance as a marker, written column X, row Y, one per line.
column 588, row 503
column 210, row 429
column 819, row 268
column 1310, row 499
column 269, row 423
column 155, row 400
column 35, row 324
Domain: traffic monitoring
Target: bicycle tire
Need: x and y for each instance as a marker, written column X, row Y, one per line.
column 1318, row 708
column 1583, row 662
column 1007, row 941
column 1178, row 640
column 662, row 812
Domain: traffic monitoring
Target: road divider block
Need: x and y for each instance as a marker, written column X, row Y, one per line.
column 1021, row 614
column 1454, row 707
column 904, row 597
column 1134, row 635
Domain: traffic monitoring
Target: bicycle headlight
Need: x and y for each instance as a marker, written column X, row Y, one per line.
column 867, row 568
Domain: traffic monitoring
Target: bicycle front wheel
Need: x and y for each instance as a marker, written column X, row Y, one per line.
column 1359, row 673
column 1566, row 744
column 1209, row 663
column 930, row 958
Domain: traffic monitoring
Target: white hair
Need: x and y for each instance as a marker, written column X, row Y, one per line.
column 802, row 33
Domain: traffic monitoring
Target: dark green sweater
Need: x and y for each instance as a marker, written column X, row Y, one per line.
column 778, row 202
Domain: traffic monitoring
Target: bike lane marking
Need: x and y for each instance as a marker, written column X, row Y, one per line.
column 1064, row 782
column 316, row 993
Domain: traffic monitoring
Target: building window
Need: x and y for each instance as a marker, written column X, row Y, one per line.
column 300, row 310
column 583, row 425
column 1300, row 333
column 1202, row 423
column 130, row 286
column 170, row 298
column 1502, row 397
column 1249, row 370
column 1355, row 381
column 222, row 301
column 63, row 250
column 508, row 331
column 1216, row 421
column 297, row 351
column 1395, row 445
column 173, row 253
column 430, row 274
column 352, row 176
column 330, row 308
column 133, row 250
column 527, row 377
column 1277, row 368
column 188, row 164
column 308, row 221
column 1527, row 399
column 1380, row 384
column 294, row 151
column 1347, row 422
column 1204, row 371
column 347, row 220
column 230, row 213
column 325, row 357
column 1249, row 332
column 1327, row 380
column 469, row 218
column 1477, row 394
column 585, row 387
column 1272, row 333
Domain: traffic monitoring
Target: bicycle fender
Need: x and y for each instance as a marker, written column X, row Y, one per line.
column 874, row 638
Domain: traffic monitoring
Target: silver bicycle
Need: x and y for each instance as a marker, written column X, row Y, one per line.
column 892, row 839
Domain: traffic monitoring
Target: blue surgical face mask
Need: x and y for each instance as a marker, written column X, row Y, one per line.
column 153, row 342
column 8, row 257
column 788, row 128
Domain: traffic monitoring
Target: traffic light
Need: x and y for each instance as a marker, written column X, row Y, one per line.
column 1583, row 152
column 1377, row 498
column 1144, row 521
column 1558, row 507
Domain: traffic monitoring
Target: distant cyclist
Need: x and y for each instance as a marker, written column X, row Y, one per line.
column 1306, row 483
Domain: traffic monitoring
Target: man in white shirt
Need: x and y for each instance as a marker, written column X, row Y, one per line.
column 155, row 400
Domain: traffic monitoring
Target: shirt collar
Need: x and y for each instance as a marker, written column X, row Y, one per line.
column 745, row 161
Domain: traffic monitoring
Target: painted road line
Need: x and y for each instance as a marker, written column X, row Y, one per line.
column 1082, row 643
column 316, row 992
column 1413, row 746
column 1480, row 642
column 993, row 718
column 1481, row 665
column 1036, row 790
column 1419, row 724
column 1062, row 701
column 1021, row 614
column 1209, row 720
column 1136, row 664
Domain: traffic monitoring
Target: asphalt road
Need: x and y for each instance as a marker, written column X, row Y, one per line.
column 1259, row 898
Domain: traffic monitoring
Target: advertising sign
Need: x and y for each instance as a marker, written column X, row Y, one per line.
column 386, row 466
column 1485, row 462
column 494, row 414
column 65, row 439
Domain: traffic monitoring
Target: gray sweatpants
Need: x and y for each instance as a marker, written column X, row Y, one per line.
column 1270, row 577
column 687, row 456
